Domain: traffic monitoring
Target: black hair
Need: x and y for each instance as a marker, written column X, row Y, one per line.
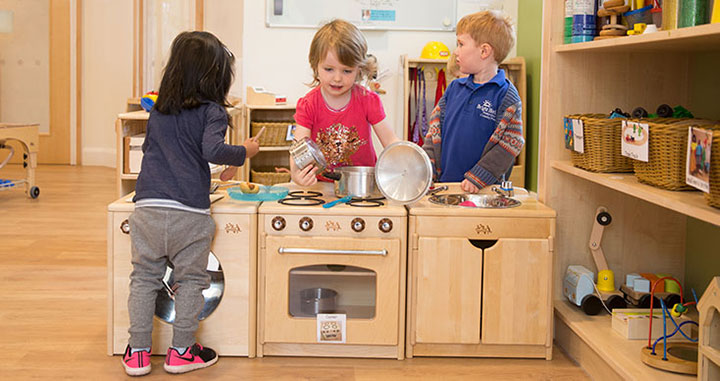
column 200, row 69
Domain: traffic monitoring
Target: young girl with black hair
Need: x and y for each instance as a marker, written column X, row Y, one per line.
column 172, row 222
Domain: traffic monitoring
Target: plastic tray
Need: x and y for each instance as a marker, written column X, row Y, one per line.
column 266, row 193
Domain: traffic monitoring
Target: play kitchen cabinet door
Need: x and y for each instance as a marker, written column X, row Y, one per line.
column 449, row 282
column 480, row 286
column 516, row 292
column 228, row 319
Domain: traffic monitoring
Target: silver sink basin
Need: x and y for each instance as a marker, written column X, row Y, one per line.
column 489, row 201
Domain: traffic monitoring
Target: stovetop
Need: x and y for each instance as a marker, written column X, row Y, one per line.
column 310, row 200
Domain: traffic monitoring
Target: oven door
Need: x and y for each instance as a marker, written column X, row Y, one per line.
column 356, row 277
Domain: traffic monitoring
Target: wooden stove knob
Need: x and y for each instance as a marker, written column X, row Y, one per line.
column 306, row 224
column 357, row 224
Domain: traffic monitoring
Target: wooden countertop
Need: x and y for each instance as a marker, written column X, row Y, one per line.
column 530, row 208
column 224, row 204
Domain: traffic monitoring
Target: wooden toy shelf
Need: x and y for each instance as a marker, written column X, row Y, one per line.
column 650, row 225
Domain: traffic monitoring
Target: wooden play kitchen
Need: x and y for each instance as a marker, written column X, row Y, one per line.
column 479, row 280
column 352, row 252
column 228, row 324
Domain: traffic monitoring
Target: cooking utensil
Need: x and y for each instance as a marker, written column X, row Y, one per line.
column 403, row 172
column 305, row 152
column 356, row 181
column 318, row 300
column 338, row 201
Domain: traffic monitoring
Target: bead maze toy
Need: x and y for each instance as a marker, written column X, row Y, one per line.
column 678, row 357
column 27, row 136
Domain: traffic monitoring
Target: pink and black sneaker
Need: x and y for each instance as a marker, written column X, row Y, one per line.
column 196, row 357
column 136, row 364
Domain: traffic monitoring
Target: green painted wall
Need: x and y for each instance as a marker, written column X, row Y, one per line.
column 529, row 44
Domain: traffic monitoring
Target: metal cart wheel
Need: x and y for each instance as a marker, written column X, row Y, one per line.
column 34, row 192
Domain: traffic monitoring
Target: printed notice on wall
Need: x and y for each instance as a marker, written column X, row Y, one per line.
column 697, row 170
column 578, row 136
column 635, row 138
column 331, row 328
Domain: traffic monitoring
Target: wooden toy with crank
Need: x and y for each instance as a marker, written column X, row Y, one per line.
column 578, row 285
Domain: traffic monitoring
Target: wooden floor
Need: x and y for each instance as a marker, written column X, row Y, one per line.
column 53, row 301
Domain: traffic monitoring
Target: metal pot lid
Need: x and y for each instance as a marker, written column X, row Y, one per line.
column 165, row 303
column 403, row 172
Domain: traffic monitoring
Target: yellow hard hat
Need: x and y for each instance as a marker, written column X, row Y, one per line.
column 435, row 50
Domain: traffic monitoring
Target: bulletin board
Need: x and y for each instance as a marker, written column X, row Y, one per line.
column 436, row 15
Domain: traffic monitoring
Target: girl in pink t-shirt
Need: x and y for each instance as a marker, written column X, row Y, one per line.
column 338, row 112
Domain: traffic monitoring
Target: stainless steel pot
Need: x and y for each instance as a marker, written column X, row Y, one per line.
column 305, row 152
column 319, row 300
column 356, row 182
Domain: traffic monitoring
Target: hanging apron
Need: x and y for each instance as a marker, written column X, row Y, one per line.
column 420, row 127
column 441, row 85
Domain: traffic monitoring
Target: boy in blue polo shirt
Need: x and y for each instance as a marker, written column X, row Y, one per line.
column 476, row 128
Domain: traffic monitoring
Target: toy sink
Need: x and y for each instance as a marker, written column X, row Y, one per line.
column 488, row 201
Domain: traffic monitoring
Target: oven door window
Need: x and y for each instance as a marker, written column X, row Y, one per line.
column 332, row 288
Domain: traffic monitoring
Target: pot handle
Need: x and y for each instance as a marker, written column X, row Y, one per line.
column 332, row 175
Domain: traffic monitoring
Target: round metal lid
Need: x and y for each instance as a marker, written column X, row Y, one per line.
column 403, row 172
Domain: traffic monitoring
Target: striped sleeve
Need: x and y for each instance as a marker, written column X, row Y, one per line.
column 504, row 145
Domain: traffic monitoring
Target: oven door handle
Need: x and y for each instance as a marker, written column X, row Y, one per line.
column 296, row 250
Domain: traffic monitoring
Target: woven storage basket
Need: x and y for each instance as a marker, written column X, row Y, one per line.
column 268, row 176
column 667, row 152
column 601, row 145
column 274, row 135
column 713, row 198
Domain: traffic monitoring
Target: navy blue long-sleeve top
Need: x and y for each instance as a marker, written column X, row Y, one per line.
column 176, row 153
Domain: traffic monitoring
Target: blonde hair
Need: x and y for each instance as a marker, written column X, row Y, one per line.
column 452, row 70
column 489, row 28
column 349, row 46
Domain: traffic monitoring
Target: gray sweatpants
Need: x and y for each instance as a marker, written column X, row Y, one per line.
column 183, row 238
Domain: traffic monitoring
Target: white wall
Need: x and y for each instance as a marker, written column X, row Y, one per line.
column 276, row 58
column 25, row 66
column 107, row 67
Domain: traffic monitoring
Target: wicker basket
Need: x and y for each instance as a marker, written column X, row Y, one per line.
column 268, row 176
column 713, row 198
column 601, row 145
column 667, row 152
column 275, row 133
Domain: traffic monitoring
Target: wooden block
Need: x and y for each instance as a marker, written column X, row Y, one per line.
column 613, row 3
column 633, row 324
column 612, row 32
column 614, row 26
column 652, row 278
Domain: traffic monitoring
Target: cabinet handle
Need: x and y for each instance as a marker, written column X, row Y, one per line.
column 296, row 250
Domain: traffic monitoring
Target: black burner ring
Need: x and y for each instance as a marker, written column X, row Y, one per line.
column 366, row 202
column 301, row 201
column 304, row 194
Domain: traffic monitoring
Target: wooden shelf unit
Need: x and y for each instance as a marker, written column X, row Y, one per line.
column 134, row 122
column 600, row 350
column 269, row 156
column 649, row 226
column 515, row 72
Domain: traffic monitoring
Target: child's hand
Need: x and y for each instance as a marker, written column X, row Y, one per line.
column 306, row 177
column 469, row 187
column 252, row 147
column 228, row 173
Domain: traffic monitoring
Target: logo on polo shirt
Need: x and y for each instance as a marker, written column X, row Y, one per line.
column 486, row 110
